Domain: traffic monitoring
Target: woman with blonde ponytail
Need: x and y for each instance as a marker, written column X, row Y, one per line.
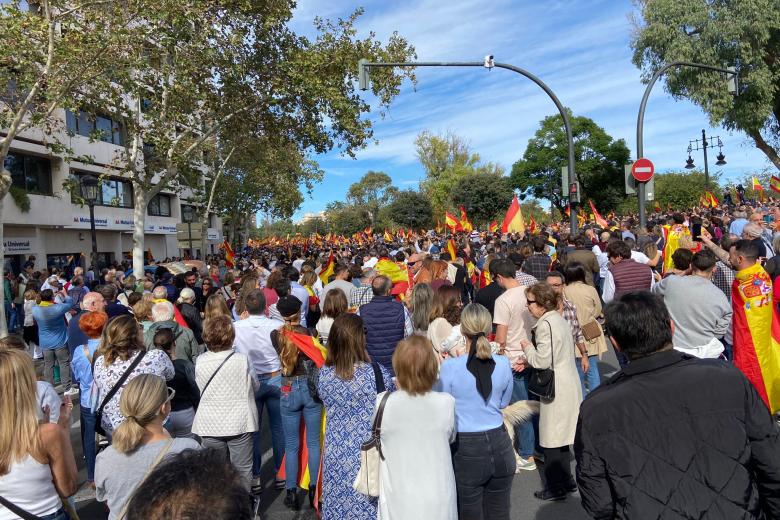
column 139, row 443
column 483, row 457
column 297, row 400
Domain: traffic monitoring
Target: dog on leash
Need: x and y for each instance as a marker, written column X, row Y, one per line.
column 518, row 413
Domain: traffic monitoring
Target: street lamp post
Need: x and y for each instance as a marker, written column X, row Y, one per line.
column 731, row 76
column 364, row 65
column 89, row 192
column 187, row 215
column 706, row 142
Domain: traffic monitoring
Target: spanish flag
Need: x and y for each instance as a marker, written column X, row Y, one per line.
column 464, row 220
column 399, row 275
column 532, row 228
column 484, row 277
column 313, row 349
column 328, row 269
column 774, row 184
column 451, row 222
column 757, row 185
column 713, row 201
column 493, row 227
column 439, row 229
column 597, row 216
column 451, row 249
column 229, row 256
column 513, row 221
column 567, row 210
column 657, row 207
column 388, row 237
column 757, row 333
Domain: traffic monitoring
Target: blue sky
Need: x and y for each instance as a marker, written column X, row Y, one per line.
column 579, row 48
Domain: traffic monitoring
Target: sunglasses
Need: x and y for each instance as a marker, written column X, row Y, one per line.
column 171, row 393
column 530, row 302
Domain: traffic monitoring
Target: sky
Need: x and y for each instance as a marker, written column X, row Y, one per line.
column 581, row 49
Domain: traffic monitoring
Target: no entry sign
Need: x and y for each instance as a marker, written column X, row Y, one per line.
column 642, row 170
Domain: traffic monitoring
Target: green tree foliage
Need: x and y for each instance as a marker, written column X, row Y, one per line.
column 532, row 208
column 681, row 189
column 599, row 162
column 484, row 196
column 346, row 219
column 411, row 209
column 372, row 191
column 745, row 34
column 446, row 159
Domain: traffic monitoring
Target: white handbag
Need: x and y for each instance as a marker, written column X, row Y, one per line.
column 367, row 479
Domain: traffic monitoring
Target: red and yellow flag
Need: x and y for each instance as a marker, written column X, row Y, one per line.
column 757, row 333
column 451, row 222
column 464, row 220
column 532, row 227
column 774, row 184
column 229, row 256
column 328, row 269
column 711, row 199
column 439, row 228
column 757, row 185
column 388, row 237
column 513, row 221
column 387, row 267
column 567, row 211
column 601, row 221
column 657, row 207
column 451, row 249
column 493, row 227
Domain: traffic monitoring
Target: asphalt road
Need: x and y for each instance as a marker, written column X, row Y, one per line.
column 524, row 505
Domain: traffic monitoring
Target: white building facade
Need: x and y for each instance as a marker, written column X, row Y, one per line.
column 56, row 227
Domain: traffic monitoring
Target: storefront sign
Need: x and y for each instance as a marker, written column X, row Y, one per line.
column 20, row 245
column 81, row 221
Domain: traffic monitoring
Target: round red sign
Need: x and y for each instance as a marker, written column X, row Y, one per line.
column 642, row 170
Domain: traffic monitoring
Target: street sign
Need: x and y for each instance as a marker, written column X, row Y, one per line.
column 631, row 184
column 642, row 170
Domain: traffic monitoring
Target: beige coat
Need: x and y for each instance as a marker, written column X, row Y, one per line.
column 557, row 418
column 588, row 304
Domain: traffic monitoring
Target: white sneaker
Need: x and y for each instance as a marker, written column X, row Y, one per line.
column 525, row 465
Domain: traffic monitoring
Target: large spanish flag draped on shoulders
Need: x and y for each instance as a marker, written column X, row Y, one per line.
column 398, row 275
column 328, row 269
column 672, row 237
column 757, row 333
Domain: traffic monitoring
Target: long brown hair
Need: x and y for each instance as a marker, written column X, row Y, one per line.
column 346, row 345
column 446, row 304
column 335, row 303
column 121, row 339
column 19, row 426
column 216, row 306
column 248, row 284
column 288, row 351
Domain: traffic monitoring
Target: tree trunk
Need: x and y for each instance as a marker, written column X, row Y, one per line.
column 3, row 192
column 765, row 147
column 139, row 221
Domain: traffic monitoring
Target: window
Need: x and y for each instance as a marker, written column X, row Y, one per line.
column 113, row 192
column 160, row 206
column 30, row 173
column 97, row 126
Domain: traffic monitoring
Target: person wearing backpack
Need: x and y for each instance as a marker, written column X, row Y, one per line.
column 91, row 324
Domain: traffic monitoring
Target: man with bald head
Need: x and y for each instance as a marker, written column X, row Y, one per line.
column 92, row 302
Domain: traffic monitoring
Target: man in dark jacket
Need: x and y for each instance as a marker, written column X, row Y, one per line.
column 672, row 436
column 386, row 322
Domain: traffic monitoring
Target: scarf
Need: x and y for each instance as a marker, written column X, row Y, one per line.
column 481, row 369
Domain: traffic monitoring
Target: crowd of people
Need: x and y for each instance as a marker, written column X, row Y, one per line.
column 439, row 341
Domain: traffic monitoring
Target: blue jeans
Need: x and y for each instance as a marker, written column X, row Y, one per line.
column 59, row 515
column 295, row 403
column 525, row 437
column 10, row 316
column 592, row 376
column 268, row 394
column 88, row 440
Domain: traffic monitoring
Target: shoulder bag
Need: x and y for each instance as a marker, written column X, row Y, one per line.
column 160, row 456
column 18, row 511
column 541, row 382
column 203, row 392
column 367, row 479
column 111, row 393
column 591, row 330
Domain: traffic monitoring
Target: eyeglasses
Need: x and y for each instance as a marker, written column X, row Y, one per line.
column 530, row 302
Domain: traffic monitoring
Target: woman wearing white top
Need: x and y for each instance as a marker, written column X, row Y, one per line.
column 418, row 425
column 37, row 467
column 227, row 413
column 444, row 329
column 335, row 304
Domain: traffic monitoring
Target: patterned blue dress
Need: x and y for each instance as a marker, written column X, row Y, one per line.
column 349, row 406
